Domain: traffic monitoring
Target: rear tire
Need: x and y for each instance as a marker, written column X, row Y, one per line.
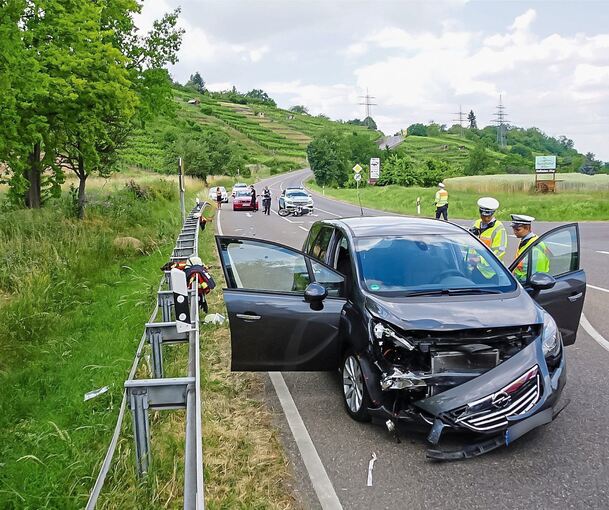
column 355, row 394
column 283, row 212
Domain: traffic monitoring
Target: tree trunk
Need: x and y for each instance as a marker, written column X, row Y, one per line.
column 33, row 175
column 82, row 180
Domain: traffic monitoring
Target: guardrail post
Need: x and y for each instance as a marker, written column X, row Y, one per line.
column 156, row 342
column 165, row 301
column 138, row 402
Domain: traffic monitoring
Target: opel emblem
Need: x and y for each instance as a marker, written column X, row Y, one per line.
column 501, row 399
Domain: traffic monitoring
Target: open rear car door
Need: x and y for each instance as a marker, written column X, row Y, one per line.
column 283, row 306
column 565, row 300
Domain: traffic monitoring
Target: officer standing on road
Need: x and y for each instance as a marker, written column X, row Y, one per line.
column 489, row 229
column 441, row 202
column 266, row 200
column 253, row 193
column 522, row 226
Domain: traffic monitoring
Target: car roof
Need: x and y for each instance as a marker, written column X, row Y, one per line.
column 240, row 185
column 374, row 226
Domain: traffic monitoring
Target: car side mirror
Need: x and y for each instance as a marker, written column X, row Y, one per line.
column 542, row 281
column 315, row 294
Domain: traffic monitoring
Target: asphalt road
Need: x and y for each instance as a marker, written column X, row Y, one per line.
column 563, row 465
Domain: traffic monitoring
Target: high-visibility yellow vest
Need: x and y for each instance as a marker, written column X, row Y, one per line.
column 494, row 237
column 541, row 261
column 441, row 198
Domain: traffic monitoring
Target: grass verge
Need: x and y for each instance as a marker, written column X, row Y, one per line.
column 72, row 309
column 572, row 206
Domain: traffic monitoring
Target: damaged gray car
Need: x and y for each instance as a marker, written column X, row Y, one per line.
column 426, row 326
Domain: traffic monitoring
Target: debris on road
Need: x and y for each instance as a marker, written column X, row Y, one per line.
column 214, row 318
column 370, row 468
column 95, row 393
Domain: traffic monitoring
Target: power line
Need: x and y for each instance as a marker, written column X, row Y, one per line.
column 502, row 124
column 367, row 102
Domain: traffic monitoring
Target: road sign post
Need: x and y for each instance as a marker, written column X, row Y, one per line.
column 419, row 206
column 375, row 170
column 358, row 177
column 181, row 185
column 545, row 166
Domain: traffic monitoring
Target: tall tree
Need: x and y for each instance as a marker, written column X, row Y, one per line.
column 471, row 117
column 196, row 82
column 299, row 109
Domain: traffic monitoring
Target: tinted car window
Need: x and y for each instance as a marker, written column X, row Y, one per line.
column 421, row 262
column 332, row 281
column 319, row 246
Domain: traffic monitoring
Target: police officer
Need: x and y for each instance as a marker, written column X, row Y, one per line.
column 489, row 229
column 441, row 202
column 266, row 200
column 522, row 226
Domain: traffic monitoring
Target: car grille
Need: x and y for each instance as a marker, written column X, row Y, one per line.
column 491, row 412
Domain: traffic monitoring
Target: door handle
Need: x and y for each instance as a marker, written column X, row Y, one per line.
column 248, row 317
column 575, row 297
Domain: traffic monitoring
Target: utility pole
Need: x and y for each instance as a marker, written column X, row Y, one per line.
column 181, row 186
column 502, row 124
column 367, row 102
column 460, row 119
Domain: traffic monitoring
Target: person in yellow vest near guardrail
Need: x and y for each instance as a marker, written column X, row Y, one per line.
column 441, row 202
column 491, row 232
column 522, row 226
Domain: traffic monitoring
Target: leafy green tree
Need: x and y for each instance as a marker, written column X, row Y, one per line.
column 521, row 150
column 299, row 109
column 328, row 157
column 471, row 118
column 261, row 96
column 417, row 130
column 196, row 83
column 369, row 123
column 478, row 161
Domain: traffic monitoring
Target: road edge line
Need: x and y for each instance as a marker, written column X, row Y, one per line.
column 317, row 472
column 589, row 328
column 315, row 469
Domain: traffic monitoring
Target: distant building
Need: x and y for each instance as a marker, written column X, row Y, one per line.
column 193, row 101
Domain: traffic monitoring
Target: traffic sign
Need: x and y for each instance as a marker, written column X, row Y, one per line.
column 375, row 168
column 357, row 177
column 357, row 168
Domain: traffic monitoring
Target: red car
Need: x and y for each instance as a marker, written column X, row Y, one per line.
column 243, row 200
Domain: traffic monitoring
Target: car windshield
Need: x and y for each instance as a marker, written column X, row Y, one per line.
column 244, row 193
column 430, row 264
column 297, row 194
column 240, row 185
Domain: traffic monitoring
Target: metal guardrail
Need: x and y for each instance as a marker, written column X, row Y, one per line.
column 164, row 393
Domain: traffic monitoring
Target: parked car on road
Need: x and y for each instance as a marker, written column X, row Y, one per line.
column 295, row 197
column 237, row 187
column 419, row 334
column 243, row 201
column 213, row 193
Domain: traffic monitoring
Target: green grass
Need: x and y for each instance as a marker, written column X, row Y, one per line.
column 572, row 206
column 567, row 182
column 72, row 311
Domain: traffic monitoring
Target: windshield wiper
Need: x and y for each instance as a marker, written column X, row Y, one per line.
column 452, row 292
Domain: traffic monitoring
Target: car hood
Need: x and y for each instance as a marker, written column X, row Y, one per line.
column 448, row 313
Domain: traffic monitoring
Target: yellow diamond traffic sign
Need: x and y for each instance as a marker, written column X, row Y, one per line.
column 357, row 169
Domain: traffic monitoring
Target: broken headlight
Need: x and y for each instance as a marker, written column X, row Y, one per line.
column 551, row 338
column 381, row 331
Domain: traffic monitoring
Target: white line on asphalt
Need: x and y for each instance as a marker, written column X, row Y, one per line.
column 584, row 323
column 317, row 472
column 603, row 252
column 328, row 212
column 315, row 468
column 303, row 228
column 597, row 288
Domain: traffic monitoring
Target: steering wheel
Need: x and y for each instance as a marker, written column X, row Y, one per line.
column 448, row 272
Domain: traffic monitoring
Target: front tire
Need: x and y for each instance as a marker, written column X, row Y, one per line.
column 355, row 393
column 283, row 212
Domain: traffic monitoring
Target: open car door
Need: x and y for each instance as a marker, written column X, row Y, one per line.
column 272, row 327
column 560, row 250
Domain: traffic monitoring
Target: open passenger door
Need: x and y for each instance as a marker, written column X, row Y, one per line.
column 565, row 300
column 280, row 320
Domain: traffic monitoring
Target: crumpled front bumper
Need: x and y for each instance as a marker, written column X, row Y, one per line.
column 439, row 410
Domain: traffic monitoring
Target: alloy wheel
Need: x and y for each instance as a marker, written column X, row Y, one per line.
column 353, row 384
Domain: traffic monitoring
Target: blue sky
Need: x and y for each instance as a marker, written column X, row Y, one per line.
column 421, row 60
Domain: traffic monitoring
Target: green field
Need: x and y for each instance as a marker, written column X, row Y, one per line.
column 565, row 206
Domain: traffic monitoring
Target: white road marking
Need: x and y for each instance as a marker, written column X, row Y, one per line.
column 603, row 252
column 584, row 323
column 597, row 288
column 317, row 472
column 327, row 212
column 303, row 228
